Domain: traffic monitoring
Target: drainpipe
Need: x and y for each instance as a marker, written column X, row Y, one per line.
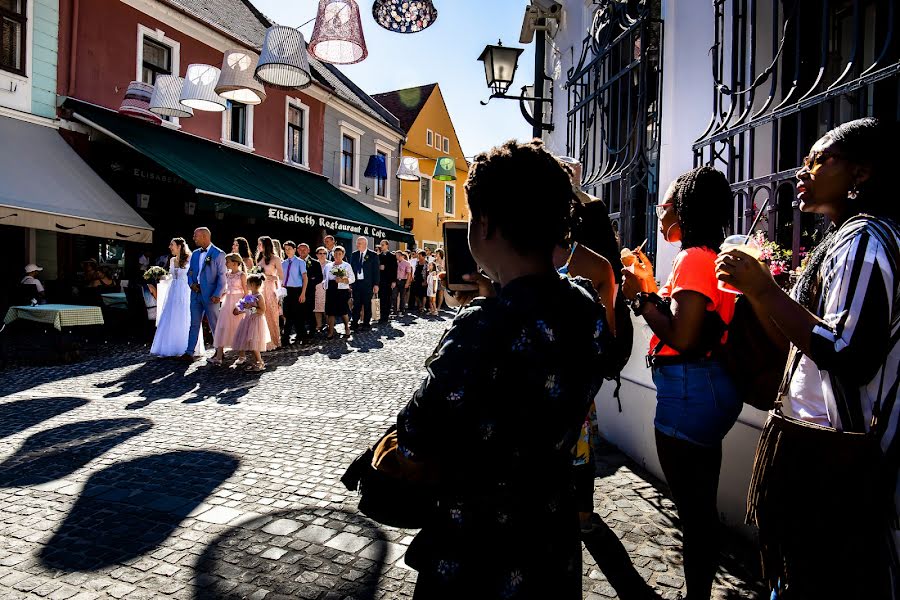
column 540, row 58
column 73, row 48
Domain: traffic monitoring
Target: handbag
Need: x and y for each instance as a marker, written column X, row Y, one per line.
column 394, row 490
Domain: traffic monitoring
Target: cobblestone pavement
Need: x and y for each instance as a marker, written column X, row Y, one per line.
column 128, row 477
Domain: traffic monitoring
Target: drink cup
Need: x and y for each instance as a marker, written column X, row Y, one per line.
column 745, row 244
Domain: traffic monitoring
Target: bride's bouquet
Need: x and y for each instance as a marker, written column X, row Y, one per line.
column 154, row 274
column 242, row 305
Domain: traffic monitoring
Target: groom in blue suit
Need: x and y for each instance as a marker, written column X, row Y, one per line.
column 207, row 280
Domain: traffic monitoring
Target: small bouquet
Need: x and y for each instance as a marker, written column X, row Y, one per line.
column 255, row 270
column 154, row 274
column 339, row 272
column 243, row 305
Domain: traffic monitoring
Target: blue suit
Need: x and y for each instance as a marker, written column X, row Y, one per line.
column 369, row 266
column 211, row 279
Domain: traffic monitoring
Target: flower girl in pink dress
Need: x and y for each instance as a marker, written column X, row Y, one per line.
column 235, row 289
column 253, row 332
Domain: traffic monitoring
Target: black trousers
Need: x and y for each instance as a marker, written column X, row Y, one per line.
column 291, row 309
column 385, row 295
column 362, row 300
column 307, row 319
column 417, row 296
column 692, row 473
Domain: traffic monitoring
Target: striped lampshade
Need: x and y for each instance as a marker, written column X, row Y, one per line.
column 238, row 80
column 199, row 91
column 284, row 62
column 166, row 97
column 338, row 34
column 137, row 102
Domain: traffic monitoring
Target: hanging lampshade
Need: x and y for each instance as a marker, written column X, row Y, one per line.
column 284, row 62
column 166, row 98
column 404, row 16
column 238, row 80
column 377, row 167
column 445, row 169
column 137, row 102
column 409, row 169
column 199, row 91
column 338, row 35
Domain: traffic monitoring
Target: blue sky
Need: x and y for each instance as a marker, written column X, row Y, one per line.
column 445, row 53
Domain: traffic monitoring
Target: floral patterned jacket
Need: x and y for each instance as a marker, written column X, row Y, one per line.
column 506, row 394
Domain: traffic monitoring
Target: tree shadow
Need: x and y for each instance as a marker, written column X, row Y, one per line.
column 20, row 415
column 290, row 557
column 54, row 453
column 128, row 509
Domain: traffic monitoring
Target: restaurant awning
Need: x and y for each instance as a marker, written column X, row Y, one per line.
column 282, row 193
column 44, row 184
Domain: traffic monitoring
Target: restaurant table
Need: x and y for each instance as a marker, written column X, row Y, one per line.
column 59, row 315
column 115, row 300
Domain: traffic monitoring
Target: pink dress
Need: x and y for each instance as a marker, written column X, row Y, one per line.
column 268, row 290
column 228, row 322
column 252, row 332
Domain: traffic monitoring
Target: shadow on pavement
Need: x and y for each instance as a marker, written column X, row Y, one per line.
column 290, row 557
column 54, row 453
column 19, row 415
column 128, row 509
column 613, row 559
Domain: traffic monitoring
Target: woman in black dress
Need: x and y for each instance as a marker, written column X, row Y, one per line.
column 338, row 276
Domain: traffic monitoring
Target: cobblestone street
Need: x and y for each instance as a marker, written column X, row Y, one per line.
column 127, row 477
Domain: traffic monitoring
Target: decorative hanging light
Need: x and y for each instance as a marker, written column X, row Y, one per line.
column 284, row 62
column 409, row 169
column 444, row 169
column 166, row 97
column 377, row 167
column 238, row 80
column 137, row 102
column 338, row 35
column 404, row 16
column 199, row 91
column 500, row 65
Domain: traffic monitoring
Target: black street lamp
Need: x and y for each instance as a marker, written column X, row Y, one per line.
column 500, row 65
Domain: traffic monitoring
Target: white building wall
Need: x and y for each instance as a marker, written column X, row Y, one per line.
column 686, row 106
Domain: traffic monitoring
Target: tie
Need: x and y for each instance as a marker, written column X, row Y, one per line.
column 287, row 276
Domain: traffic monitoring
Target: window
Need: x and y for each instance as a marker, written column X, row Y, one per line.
column 446, row 146
column 381, row 184
column 296, row 140
column 437, row 141
column 429, row 138
column 348, row 152
column 425, row 193
column 157, row 60
column 449, row 199
column 237, row 125
column 12, row 35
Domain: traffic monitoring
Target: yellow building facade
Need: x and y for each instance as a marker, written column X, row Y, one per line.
column 427, row 203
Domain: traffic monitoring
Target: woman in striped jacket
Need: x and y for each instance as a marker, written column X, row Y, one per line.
column 824, row 489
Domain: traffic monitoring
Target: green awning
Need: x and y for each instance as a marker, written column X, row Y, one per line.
column 281, row 192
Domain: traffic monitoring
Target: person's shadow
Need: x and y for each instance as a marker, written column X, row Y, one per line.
column 129, row 508
column 302, row 560
column 54, row 453
column 20, row 415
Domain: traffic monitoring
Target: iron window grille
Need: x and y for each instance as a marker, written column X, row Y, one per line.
column 13, row 21
column 613, row 115
column 784, row 73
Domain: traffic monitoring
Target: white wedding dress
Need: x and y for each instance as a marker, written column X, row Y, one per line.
column 173, row 315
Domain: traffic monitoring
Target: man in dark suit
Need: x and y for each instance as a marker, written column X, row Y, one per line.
column 365, row 266
column 388, row 280
column 315, row 277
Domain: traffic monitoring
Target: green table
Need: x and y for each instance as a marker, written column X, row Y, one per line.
column 59, row 315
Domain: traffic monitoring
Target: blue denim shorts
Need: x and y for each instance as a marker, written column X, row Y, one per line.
column 695, row 401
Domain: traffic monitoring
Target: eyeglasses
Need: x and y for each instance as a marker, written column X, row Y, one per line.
column 817, row 159
column 661, row 210
column 321, row 253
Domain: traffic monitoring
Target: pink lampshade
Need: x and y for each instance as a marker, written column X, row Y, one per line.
column 137, row 102
column 338, row 35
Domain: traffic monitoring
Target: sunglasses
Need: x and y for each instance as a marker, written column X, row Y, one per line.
column 321, row 253
column 817, row 159
column 661, row 210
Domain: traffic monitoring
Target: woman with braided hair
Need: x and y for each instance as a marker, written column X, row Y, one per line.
column 697, row 402
column 824, row 490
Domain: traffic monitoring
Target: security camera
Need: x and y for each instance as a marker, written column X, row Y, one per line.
column 549, row 8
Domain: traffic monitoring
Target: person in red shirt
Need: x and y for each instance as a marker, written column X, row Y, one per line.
column 697, row 402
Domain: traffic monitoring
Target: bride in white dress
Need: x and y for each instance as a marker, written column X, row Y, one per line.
column 173, row 306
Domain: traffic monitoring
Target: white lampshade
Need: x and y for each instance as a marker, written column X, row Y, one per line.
column 166, row 98
column 199, row 91
column 284, row 61
column 238, row 80
column 409, row 169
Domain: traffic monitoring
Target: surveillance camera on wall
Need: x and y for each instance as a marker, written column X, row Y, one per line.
column 550, row 8
column 539, row 9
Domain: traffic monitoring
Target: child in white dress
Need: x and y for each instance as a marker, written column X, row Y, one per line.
column 431, row 292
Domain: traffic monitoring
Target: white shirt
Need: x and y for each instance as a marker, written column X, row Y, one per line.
column 202, row 261
column 29, row 280
column 329, row 276
column 806, row 396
